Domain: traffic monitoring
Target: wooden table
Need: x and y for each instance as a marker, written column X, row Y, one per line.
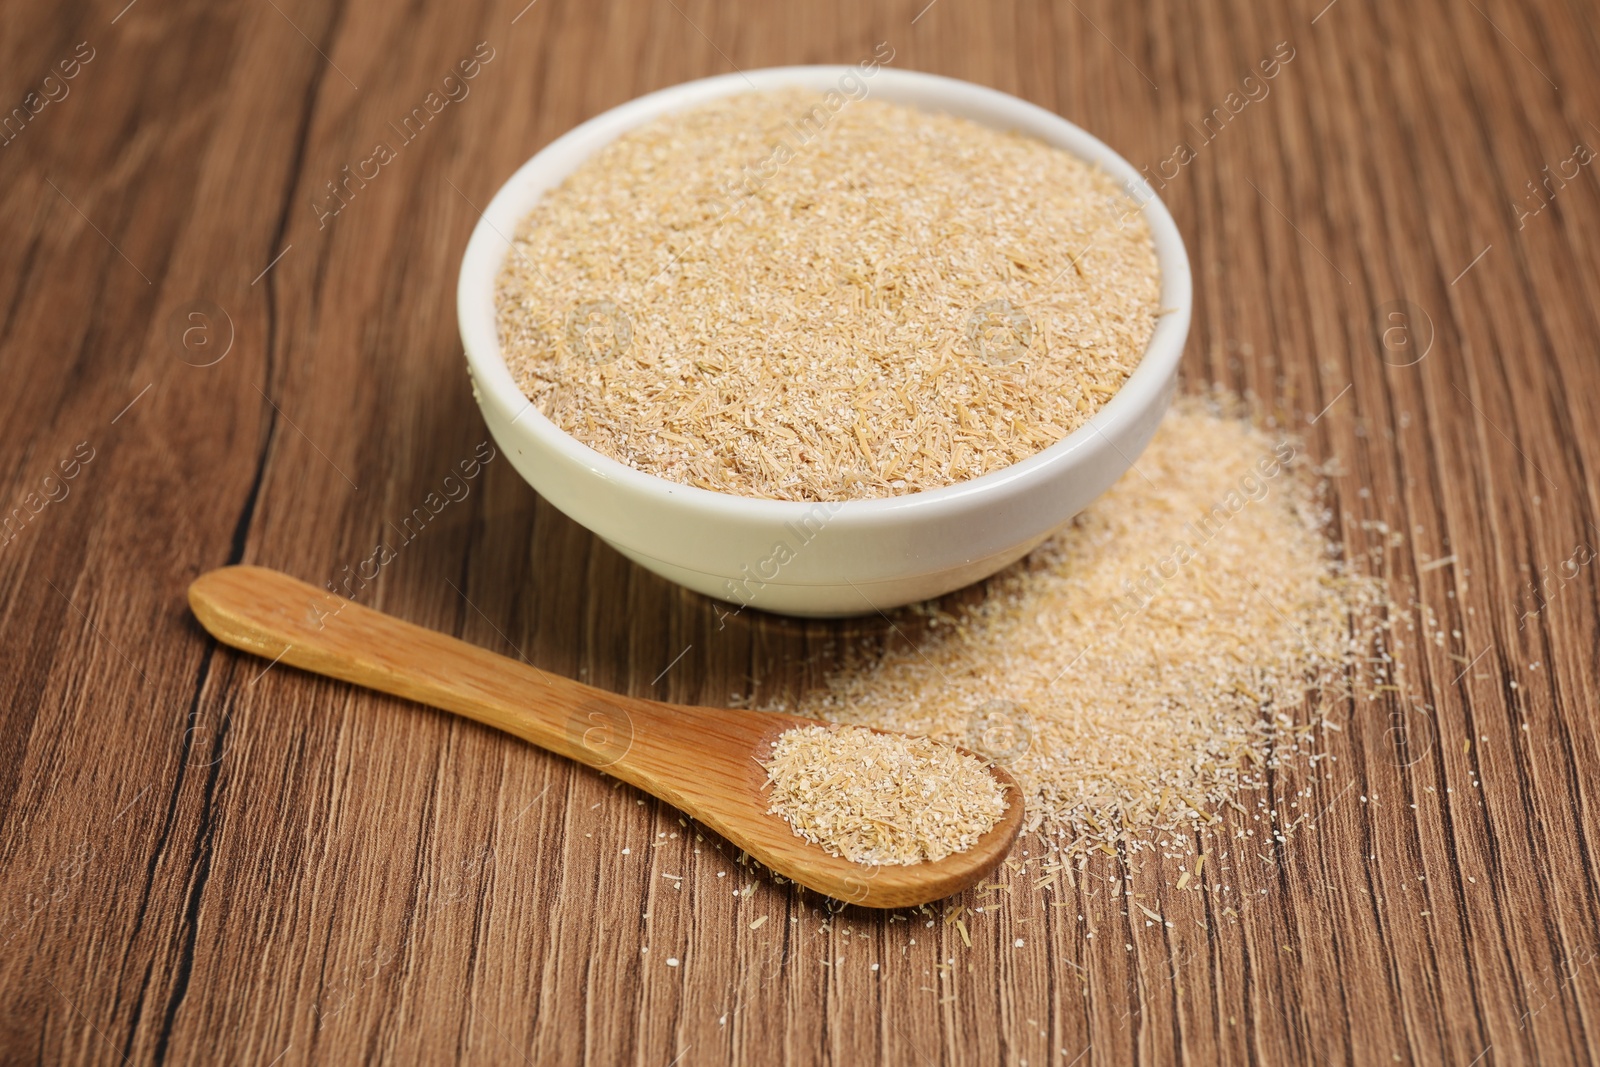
column 203, row 859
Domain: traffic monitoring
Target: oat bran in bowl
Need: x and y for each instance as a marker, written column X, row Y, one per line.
column 824, row 340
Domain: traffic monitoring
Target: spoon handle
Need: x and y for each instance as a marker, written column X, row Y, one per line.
column 289, row 621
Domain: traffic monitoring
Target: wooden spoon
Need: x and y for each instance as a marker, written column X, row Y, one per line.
column 702, row 761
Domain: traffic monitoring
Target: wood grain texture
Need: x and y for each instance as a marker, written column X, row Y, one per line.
column 204, row 861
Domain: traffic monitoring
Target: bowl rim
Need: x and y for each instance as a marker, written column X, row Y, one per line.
column 491, row 241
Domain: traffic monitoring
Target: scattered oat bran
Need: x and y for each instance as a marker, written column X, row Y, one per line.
column 762, row 297
column 881, row 798
column 1142, row 665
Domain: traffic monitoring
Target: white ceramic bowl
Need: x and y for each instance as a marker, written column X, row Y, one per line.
column 847, row 558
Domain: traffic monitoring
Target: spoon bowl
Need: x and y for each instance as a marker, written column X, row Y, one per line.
column 703, row 761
